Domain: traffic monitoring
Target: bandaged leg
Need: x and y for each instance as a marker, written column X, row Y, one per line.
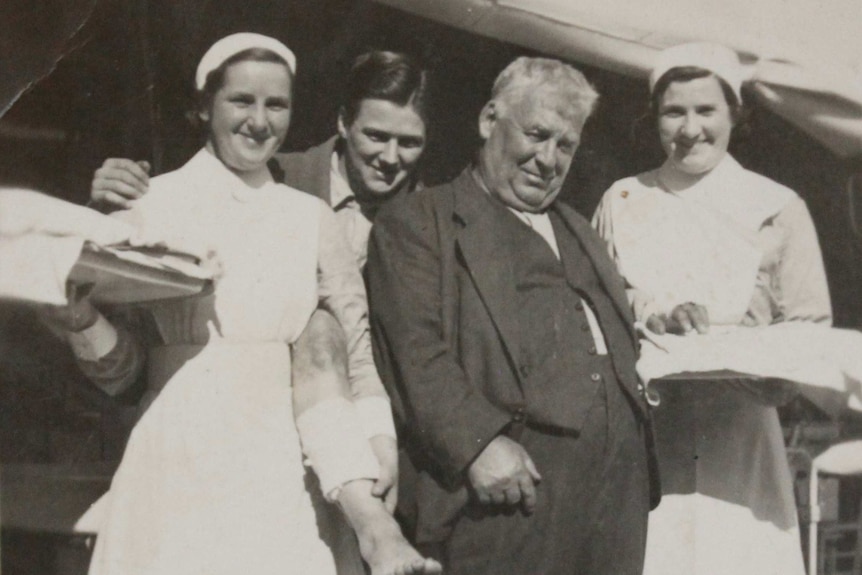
column 335, row 443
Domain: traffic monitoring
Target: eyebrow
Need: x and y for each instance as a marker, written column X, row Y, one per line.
column 372, row 131
column 278, row 100
column 708, row 105
column 243, row 95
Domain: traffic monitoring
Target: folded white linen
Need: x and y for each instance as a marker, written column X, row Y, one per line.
column 818, row 358
column 40, row 240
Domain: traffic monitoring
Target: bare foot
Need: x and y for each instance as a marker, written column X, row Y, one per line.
column 381, row 542
column 387, row 552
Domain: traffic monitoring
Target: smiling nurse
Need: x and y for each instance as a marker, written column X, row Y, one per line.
column 703, row 242
column 213, row 478
column 374, row 156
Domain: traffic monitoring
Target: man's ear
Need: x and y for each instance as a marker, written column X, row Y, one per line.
column 487, row 118
column 342, row 123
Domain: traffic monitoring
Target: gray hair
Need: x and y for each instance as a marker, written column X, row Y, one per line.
column 535, row 73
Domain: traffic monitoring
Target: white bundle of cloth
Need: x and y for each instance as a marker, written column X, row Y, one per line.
column 41, row 239
column 825, row 362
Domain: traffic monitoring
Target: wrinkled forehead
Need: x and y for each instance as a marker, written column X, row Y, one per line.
column 546, row 105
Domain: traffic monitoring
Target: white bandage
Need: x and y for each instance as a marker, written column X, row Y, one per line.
column 95, row 342
column 335, row 445
column 375, row 416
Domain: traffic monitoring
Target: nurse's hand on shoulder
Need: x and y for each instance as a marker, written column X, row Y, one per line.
column 683, row 319
column 504, row 474
column 119, row 181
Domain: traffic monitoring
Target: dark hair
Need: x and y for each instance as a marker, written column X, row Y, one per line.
column 644, row 129
column 686, row 74
column 383, row 75
column 215, row 79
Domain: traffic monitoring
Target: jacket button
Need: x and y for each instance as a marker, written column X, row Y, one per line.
column 596, row 377
column 525, row 370
column 518, row 416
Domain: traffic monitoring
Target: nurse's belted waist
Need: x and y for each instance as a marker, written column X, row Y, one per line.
column 258, row 358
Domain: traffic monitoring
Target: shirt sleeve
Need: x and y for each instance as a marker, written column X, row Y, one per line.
column 804, row 292
column 109, row 355
column 342, row 292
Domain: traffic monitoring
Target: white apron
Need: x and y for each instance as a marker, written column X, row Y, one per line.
column 212, row 480
column 727, row 506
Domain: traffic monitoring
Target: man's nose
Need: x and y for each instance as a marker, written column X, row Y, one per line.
column 389, row 154
column 546, row 155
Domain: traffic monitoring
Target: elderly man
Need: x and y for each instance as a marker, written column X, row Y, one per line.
column 381, row 137
column 505, row 339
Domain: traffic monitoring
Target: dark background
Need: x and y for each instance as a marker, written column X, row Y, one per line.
column 112, row 78
column 123, row 87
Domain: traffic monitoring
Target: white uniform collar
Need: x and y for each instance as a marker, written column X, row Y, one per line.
column 743, row 196
column 218, row 177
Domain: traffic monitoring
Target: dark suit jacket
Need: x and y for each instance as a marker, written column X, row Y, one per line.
column 307, row 171
column 442, row 295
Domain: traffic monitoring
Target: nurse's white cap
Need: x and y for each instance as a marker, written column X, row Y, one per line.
column 233, row 45
column 718, row 59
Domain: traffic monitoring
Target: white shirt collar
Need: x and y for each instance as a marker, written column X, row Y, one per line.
column 340, row 193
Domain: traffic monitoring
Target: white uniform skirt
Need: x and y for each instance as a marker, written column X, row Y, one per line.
column 212, row 480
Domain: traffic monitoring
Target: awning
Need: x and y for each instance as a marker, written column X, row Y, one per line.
column 804, row 57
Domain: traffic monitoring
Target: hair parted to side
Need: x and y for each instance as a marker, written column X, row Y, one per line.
column 645, row 128
column 686, row 74
column 739, row 112
column 384, row 75
column 531, row 74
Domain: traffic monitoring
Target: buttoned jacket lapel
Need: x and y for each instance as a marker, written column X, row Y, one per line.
column 596, row 251
column 488, row 258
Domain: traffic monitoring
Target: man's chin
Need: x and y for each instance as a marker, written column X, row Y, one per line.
column 383, row 188
column 535, row 199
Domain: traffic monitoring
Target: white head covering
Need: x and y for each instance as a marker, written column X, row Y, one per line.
column 718, row 59
column 234, row 44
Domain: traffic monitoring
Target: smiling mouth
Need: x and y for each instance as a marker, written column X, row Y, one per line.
column 254, row 140
column 689, row 144
column 535, row 179
column 385, row 175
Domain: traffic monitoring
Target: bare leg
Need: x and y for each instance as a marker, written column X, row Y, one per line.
column 381, row 543
column 320, row 373
column 319, row 362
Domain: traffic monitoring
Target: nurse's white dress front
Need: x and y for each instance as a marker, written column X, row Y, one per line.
column 212, row 480
column 745, row 248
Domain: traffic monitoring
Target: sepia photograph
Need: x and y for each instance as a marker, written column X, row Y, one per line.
column 422, row 287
